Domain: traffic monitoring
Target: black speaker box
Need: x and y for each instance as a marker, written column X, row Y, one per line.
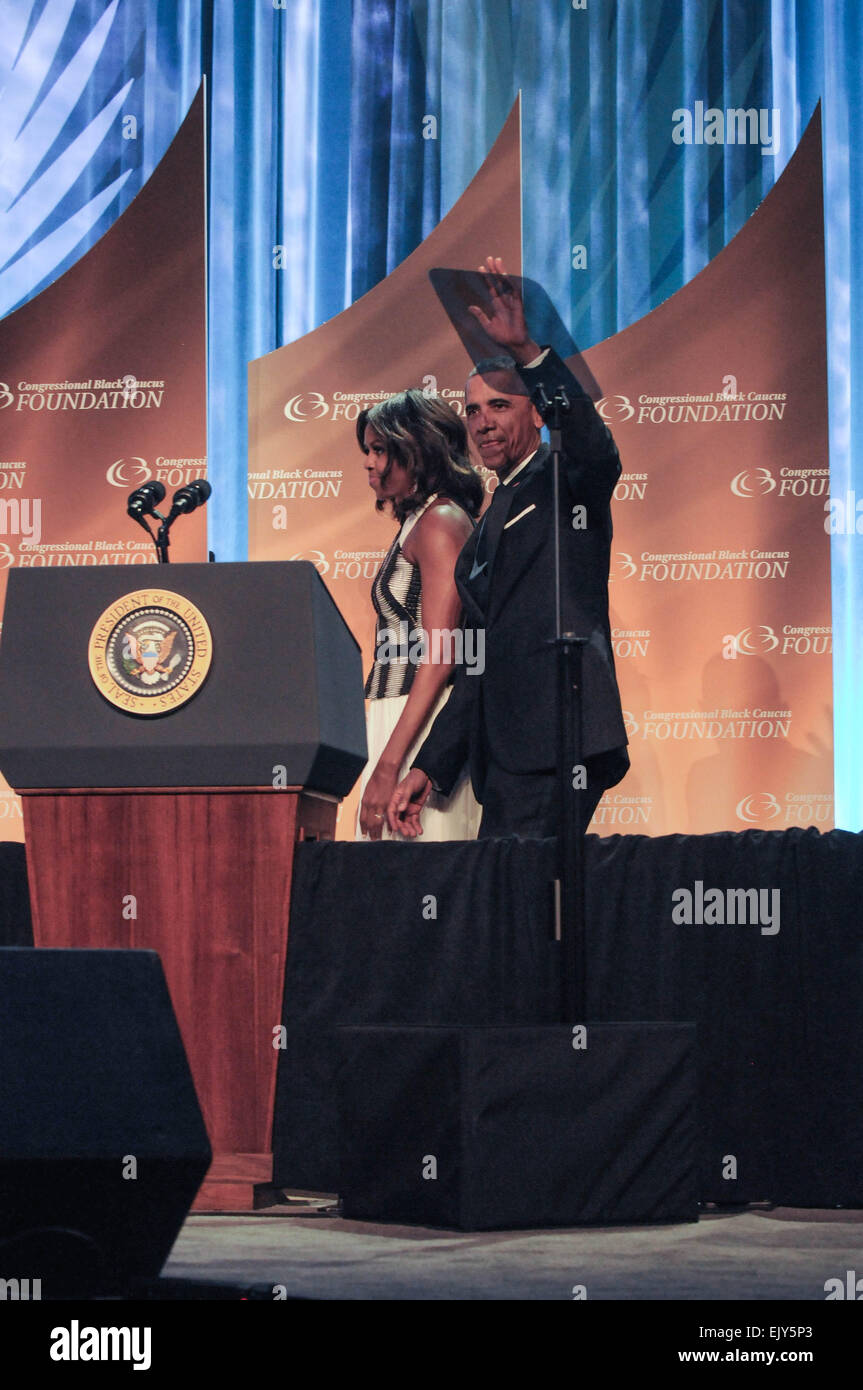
column 16, row 928
column 497, row 1128
column 102, row 1141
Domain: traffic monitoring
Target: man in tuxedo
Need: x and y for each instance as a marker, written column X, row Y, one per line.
column 504, row 722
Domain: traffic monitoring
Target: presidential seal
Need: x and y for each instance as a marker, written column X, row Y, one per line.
column 150, row 652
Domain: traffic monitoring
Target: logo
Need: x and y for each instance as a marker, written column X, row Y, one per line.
column 794, row 641
column 308, row 405
column 630, row 723
column 758, row 806
column 793, row 482
column 150, row 652
column 315, row 557
column 96, row 393
column 344, row 564
column 665, row 725
column 623, row 566
column 700, row 565
column 800, row 808
column 6, row 397
column 130, row 472
column 753, row 482
column 728, row 406
column 173, row 472
column 752, row 641
column 615, row 408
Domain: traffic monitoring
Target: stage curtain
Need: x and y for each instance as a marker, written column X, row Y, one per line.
column 462, row 933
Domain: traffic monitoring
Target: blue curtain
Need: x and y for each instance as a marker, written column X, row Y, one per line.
column 341, row 131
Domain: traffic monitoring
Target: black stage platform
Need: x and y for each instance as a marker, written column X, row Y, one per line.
column 460, row 933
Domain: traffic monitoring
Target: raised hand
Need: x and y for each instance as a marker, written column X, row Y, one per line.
column 504, row 319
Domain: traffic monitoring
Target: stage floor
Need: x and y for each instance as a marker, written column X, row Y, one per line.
column 751, row 1254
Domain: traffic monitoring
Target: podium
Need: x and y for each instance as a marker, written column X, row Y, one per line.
column 173, row 732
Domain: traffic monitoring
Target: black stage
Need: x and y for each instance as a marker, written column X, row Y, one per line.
column 460, row 933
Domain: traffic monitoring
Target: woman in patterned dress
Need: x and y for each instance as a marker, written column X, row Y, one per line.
column 416, row 452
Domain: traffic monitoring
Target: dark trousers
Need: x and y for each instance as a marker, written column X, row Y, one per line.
column 527, row 804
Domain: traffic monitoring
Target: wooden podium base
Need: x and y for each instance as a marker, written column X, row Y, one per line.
column 231, row 1182
column 203, row 876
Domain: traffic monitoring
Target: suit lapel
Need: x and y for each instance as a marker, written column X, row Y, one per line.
column 519, row 545
column 474, row 615
column 482, row 589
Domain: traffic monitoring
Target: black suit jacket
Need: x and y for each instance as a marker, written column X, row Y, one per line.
column 509, row 712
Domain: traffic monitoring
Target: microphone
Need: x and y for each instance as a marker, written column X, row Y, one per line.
column 144, row 500
column 187, row 499
column 546, row 405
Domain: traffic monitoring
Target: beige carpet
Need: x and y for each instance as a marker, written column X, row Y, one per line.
column 751, row 1254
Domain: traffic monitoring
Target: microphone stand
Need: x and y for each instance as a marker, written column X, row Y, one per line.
column 569, row 896
column 185, row 501
column 162, row 540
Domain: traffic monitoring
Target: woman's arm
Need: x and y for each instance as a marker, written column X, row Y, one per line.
column 434, row 545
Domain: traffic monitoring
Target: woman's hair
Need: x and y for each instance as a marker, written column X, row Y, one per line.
column 427, row 438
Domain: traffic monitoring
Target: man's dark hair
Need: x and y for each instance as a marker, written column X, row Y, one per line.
column 501, row 363
column 489, row 365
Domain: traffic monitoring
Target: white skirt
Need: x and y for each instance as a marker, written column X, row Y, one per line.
column 454, row 817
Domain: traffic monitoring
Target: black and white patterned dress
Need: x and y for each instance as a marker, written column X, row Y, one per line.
column 397, row 600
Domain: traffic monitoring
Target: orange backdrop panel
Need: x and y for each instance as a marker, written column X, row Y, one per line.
column 720, row 583
column 720, row 589
column 103, row 386
column 309, row 496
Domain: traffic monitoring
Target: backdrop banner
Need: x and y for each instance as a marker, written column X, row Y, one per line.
column 720, row 579
column 309, row 496
column 103, row 386
column 720, row 582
